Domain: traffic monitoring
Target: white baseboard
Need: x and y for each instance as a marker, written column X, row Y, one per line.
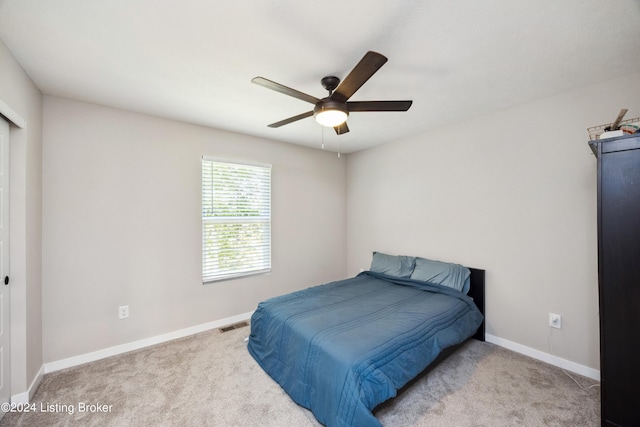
column 27, row 395
column 136, row 345
column 594, row 374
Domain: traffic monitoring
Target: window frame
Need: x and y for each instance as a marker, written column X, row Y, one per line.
column 251, row 224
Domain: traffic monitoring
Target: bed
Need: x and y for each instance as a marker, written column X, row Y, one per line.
column 342, row 348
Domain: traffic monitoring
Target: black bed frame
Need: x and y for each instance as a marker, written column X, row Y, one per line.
column 476, row 291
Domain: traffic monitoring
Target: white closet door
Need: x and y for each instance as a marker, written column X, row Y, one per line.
column 5, row 340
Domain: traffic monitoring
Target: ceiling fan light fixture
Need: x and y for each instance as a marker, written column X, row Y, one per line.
column 330, row 113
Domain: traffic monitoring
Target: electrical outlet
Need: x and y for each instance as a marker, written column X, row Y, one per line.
column 555, row 321
column 123, row 312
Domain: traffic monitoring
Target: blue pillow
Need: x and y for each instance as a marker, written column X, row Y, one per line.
column 442, row 273
column 392, row 265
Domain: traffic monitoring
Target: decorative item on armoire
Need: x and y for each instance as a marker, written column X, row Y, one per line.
column 619, row 127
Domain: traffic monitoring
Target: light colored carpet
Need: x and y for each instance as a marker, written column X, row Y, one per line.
column 210, row 379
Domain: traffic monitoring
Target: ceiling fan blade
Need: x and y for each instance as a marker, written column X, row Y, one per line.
column 367, row 67
column 261, row 81
column 291, row 119
column 378, row 105
column 343, row 128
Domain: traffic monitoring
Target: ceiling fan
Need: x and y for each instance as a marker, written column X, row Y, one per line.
column 333, row 110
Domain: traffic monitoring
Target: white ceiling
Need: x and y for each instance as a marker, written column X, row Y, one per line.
column 193, row 60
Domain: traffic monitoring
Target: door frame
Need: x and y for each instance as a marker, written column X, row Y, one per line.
column 17, row 126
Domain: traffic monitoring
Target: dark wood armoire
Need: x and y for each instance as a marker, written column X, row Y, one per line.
column 619, row 277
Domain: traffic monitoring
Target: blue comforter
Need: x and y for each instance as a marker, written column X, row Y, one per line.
column 342, row 348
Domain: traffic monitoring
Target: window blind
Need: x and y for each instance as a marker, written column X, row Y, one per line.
column 236, row 219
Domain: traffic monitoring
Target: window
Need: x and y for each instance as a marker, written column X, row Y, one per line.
column 236, row 219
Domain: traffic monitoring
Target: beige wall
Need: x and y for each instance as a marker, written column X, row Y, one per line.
column 122, row 223
column 22, row 96
column 512, row 192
